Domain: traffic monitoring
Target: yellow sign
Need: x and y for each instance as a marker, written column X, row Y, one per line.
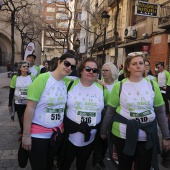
column 146, row 9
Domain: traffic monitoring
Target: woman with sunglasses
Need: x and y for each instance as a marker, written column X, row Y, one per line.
column 18, row 91
column 135, row 109
column 86, row 100
column 43, row 117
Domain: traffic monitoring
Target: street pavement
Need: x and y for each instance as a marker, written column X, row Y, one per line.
column 9, row 138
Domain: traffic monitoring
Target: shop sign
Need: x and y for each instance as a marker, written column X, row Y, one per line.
column 168, row 38
column 147, row 9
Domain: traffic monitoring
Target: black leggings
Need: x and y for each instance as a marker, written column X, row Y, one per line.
column 82, row 155
column 142, row 157
column 20, row 109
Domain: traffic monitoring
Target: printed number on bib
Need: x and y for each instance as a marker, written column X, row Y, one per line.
column 23, row 92
column 54, row 115
column 142, row 117
column 89, row 117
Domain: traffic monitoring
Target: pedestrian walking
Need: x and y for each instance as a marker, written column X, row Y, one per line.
column 43, row 117
column 86, row 100
column 136, row 107
column 18, row 91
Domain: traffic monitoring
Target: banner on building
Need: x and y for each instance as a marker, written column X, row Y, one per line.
column 147, row 9
column 29, row 49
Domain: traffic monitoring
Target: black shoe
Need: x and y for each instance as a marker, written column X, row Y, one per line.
column 100, row 164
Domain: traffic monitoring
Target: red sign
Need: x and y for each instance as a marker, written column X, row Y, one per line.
column 145, row 48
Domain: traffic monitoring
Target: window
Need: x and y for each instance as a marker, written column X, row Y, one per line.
column 61, row 16
column 79, row 16
column 49, row 18
column 62, row 25
column 50, row 9
column 61, row 10
column 50, row 1
column 49, row 34
column 48, row 42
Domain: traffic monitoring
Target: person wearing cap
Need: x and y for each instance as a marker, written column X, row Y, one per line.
column 32, row 68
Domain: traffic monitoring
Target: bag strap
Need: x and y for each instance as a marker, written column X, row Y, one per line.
column 120, row 88
column 69, row 86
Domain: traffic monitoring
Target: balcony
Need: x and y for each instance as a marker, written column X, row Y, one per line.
column 102, row 7
column 164, row 19
column 111, row 2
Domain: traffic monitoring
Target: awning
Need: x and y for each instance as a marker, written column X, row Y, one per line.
column 135, row 43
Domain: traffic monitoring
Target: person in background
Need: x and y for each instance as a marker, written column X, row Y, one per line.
column 148, row 71
column 109, row 77
column 32, row 68
column 86, row 100
column 135, row 109
column 163, row 76
column 45, row 68
column 43, row 117
column 120, row 69
column 18, row 91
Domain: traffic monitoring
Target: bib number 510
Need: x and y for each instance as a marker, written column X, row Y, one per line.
column 142, row 119
column 86, row 119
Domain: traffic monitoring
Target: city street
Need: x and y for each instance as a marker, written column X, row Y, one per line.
column 9, row 138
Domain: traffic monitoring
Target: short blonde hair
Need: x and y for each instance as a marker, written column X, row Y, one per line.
column 113, row 69
column 128, row 60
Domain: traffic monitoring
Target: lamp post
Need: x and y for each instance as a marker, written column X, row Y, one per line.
column 105, row 21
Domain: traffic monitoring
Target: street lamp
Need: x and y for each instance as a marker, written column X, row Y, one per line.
column 105, row 21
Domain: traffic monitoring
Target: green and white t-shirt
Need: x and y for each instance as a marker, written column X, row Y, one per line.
column 51, row 96
column 85, row 104
column 20, row 84
column 136, row 101
column 34, row 70
column 162, row 79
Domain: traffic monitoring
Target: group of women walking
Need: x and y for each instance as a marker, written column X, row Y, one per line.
column 64, row 117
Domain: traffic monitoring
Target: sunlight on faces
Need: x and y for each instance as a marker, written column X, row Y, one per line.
column 136, row 67
column 89, row 75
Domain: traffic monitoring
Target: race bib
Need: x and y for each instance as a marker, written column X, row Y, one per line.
column 142, row 117
column 54, row 115
column 23, row 92
column 89, row 117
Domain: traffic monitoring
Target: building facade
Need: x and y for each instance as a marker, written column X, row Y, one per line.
column 135, row 32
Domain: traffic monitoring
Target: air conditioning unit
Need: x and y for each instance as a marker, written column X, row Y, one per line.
column 130, row 32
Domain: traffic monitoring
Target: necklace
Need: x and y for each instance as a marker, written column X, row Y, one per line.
column 139, row 87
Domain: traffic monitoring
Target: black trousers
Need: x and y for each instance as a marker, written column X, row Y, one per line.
column 81, row 154
column 165, row 97
column 20, row 109
column 142, row 158
column 42, row 153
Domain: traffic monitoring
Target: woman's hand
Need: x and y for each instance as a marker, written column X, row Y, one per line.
column 166, row 144
column 10, row 108
column 26, row 142
column 101, row 83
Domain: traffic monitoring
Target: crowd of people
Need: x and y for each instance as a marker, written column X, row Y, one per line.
column 67, row 116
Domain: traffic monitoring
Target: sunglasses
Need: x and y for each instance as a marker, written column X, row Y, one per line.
column 68, row 64
column 25, row 66
column 94, row 70
column 133, row 54
column 105, row 70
